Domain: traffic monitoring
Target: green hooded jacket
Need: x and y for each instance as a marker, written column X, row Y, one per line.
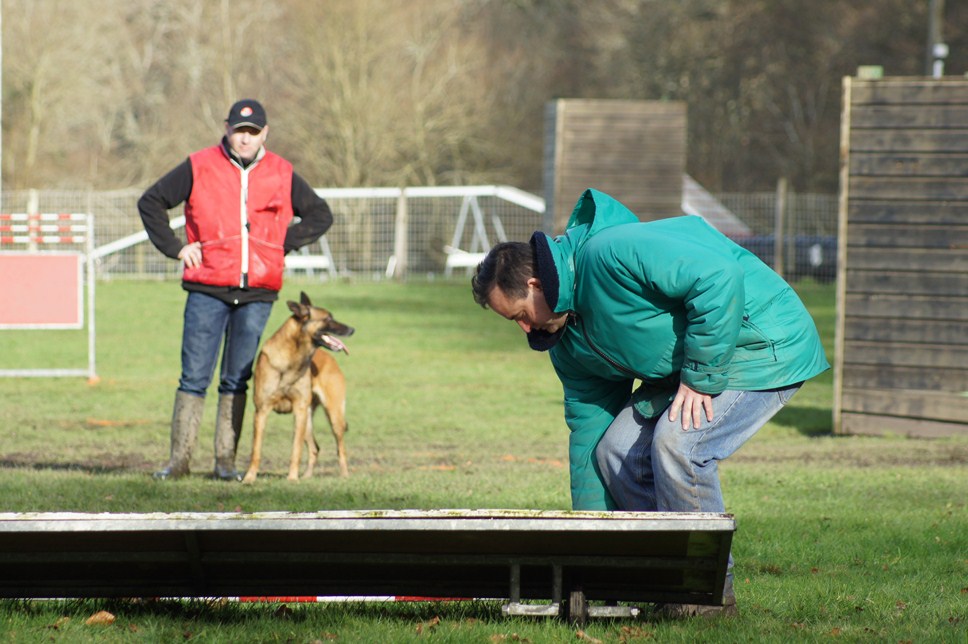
column 655, row 303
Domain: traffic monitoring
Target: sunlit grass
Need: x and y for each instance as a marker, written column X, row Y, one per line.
column 839, row 537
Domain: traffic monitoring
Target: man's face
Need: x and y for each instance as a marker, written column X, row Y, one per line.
column 245, row 141
column 531, row 312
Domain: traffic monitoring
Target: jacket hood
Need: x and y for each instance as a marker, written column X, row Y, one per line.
column 556, row 257
column 598, row 210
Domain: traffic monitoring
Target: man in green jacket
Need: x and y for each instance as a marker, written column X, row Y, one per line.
column 716, row 341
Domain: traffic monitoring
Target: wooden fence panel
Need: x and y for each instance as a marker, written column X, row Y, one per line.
column 632, row 150
column 901, row 363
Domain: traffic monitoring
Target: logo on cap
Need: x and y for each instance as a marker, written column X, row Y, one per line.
column 246, row 111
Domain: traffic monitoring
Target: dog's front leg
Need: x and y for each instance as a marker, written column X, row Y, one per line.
column 312, row 446
column 261, row 414
column 301, row 418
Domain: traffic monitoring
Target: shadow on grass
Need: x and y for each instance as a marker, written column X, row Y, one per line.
column 809, row 421
column 115, row 464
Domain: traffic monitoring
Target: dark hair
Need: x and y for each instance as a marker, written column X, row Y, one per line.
column 508, row 266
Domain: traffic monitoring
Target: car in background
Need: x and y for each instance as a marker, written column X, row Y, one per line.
column 806, row 255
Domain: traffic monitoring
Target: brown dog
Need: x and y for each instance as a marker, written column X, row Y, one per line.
column 293, row 376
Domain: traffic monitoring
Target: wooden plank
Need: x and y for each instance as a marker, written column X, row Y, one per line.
column 951, row 91
column 919, row 236
column 925, row 405
column 679, row 557
column 626, row 174
column 631, row 150
column 597, row 143
column 596, row 105
column 906, row 115
column 934, row 259
column 628, row 192
column 902, row 336
column 894, row 330
column 618, row 107
column 907, row 212
column 644, row 130
column 644, row 209
column 843, row 208
column 671, row 112
column 941, row 356
column 630, row 160
column 908, row 141
column 912, row 427
column 629, row 187
column 910, row 188
column 639, row 154
column 922, row 283
column 904, row 306
column 889, row 377
column 906, row 164
column 555, row 200
column 644, row 153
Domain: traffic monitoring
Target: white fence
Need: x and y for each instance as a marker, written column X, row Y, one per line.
column 418, row 231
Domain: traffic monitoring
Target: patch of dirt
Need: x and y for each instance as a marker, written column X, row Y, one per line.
column 830, row 451
column 859, row 452
column 102, row 463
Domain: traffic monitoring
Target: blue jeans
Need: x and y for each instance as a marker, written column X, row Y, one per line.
column 209, row 321
column 651, row 464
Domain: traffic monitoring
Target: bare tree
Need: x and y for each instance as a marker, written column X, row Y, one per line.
column 385, row 92
column 112, row 93
column 54, row 77
column 184, row 63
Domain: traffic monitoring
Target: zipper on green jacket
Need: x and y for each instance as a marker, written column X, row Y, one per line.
column 601, row 354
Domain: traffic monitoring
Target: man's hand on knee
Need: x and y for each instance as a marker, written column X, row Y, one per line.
column 691, row 404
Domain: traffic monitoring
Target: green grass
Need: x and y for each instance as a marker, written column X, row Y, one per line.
column 844, row 538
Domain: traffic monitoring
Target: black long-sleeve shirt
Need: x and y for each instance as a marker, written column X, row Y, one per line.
column 315, row 218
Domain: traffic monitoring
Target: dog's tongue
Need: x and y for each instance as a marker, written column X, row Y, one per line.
column 334, row 344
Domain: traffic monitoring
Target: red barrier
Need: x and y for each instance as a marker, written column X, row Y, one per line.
column 45, row 289
column 41, row 291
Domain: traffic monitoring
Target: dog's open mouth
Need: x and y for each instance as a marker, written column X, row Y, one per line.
column 332, row 343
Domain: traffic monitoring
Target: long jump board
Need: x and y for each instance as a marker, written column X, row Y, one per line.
column 515, row 554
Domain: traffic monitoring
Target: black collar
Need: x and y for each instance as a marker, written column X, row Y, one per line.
column 545, row 268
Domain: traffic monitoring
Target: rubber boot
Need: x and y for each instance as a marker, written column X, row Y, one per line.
column 185, row 420
column 228, row 428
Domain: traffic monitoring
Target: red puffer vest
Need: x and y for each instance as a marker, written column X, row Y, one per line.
column 241, row 217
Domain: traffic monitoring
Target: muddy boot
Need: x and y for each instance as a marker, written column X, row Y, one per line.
column 228, row 428
column 185, row 419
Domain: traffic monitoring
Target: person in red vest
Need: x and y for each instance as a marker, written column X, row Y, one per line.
column 240, row 202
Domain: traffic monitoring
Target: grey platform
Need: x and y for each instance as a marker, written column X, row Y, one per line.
column 569, row 558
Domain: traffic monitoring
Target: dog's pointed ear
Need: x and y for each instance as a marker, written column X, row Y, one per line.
column 304, row 298
column 300, row 311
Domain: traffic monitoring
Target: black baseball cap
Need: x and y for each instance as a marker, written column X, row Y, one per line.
column 247, row 112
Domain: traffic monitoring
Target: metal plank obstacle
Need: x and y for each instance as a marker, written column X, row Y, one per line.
column 569, row 558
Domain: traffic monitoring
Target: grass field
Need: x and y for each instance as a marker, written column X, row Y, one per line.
column 839, row 538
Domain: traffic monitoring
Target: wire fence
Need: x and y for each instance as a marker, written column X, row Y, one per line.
column 415, row 232
column 809, row 237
